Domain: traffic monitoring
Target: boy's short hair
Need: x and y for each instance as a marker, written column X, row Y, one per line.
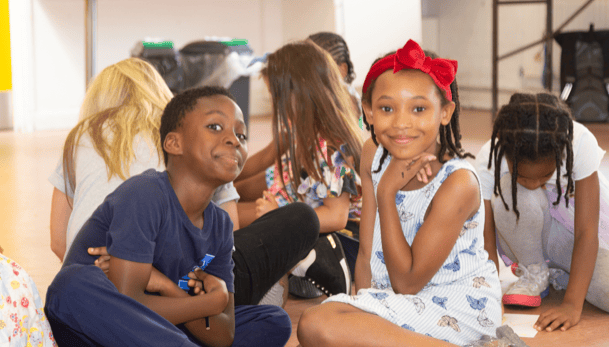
column 183, row 103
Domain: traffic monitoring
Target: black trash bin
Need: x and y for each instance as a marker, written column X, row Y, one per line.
column 165, row 59
column 584, row 73
column 201, row 59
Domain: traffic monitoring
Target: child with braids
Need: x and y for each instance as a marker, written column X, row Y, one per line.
column 422, row 274
column 537, row 157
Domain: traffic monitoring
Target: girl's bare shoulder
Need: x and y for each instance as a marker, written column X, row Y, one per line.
column 461, row 184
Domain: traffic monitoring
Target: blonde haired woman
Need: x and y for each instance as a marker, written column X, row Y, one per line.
column 117, row 136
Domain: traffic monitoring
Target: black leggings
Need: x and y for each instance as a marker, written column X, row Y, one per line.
column 270, row 247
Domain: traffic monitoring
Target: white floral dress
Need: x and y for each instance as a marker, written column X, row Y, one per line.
column 22, row 319
column 462, row 301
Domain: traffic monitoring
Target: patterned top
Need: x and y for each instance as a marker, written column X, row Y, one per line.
column 462, row 300
column 22, row 318
column 338, row 177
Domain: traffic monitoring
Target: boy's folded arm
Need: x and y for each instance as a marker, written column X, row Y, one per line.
column 131, row 279
column 222, row 326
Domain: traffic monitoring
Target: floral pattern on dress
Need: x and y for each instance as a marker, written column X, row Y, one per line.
column 22, row 319
column 337, row 178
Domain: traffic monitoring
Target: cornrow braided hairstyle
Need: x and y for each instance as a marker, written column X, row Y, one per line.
column 338, row 49
column 450, row 134
column 529, row 128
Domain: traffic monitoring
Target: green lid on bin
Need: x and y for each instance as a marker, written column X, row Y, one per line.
column 163, row 44
column 235, row 42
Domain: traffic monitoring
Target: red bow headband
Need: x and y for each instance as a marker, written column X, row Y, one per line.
column 411, row 56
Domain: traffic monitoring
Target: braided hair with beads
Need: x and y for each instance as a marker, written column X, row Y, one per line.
column 529, row 128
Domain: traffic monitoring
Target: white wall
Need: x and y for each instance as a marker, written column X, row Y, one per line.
column 22, row 63
column 51, row 54
column 59, row 62
column 48, row 37
column 431, row 34
column 303, row 18
column 371, row 30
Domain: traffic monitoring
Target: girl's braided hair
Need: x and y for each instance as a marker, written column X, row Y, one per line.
column 450, row 134
column 529, row 128
column 338, row 49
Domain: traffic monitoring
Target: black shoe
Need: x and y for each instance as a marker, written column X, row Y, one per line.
column 303, row 288
column 330, row 271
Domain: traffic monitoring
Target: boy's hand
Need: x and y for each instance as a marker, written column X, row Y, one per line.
column 399, row 172
column 195, row 283
column 265, row 204
column 212, row 285
column 103, row 262
column 566, row 315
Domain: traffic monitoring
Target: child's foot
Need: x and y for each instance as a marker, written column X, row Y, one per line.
column 328, row 271
column 531, row 286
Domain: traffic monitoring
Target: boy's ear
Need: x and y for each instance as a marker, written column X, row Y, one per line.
column 367, row 112
column 447, row 112
column 173, row 143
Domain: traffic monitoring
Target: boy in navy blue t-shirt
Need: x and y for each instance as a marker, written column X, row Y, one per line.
column 157, row 226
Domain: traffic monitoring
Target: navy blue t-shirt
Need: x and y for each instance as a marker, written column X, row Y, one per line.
column 143, row 221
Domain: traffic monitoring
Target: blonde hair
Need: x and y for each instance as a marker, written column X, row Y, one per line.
column 310, row 102
column 124, row 100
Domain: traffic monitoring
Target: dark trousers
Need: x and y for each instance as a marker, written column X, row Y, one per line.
column 84, row 307
column 270, row 247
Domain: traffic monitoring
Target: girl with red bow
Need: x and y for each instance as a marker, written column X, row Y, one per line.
column 422, row 275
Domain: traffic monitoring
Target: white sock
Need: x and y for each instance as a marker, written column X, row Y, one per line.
column 303, row 266
column 274, row 296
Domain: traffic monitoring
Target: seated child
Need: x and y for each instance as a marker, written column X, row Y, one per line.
column 317, row 148
column 22, row 320
column 422, row 273
column 118, row 137
column 161, row 231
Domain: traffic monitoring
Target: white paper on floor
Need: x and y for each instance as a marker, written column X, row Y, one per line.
column 522, row 324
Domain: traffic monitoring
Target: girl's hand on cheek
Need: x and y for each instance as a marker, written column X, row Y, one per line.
column 400, row 171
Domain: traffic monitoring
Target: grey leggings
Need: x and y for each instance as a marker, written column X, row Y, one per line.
column 537, row 237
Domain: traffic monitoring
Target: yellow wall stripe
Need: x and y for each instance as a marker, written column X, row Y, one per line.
column 5, row 48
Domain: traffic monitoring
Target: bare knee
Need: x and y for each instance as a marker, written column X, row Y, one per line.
column 312, row 329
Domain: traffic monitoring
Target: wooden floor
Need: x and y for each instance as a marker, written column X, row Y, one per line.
column 26, row 160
